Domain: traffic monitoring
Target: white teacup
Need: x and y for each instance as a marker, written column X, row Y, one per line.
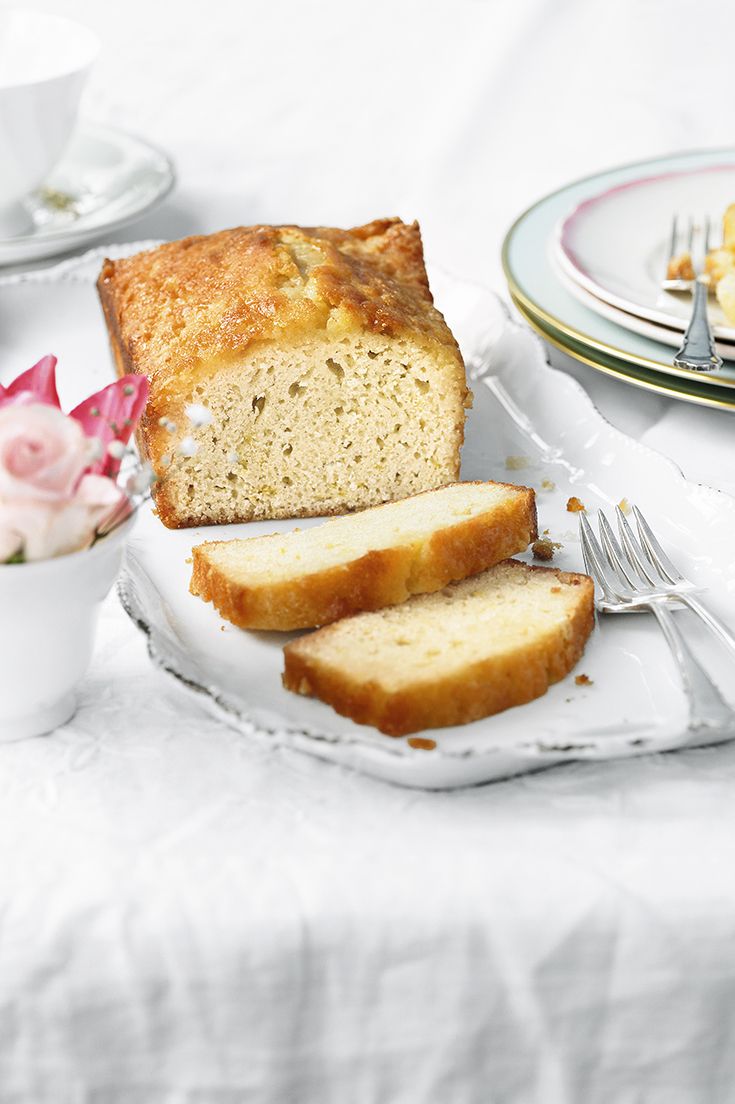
column 44, row 60
column 49, row 617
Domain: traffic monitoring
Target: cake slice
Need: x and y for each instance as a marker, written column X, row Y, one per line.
column 364, row 561
column 477, row 647
column 328, row 379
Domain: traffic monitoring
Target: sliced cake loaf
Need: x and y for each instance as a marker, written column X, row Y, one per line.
column 329, row 379
column 367, row 560
column 477, row 647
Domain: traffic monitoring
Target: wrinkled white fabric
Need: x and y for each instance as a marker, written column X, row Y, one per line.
column 185, row 912
column 190, row 917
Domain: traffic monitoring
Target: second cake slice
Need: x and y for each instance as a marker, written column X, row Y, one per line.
column 479, row 646
column 364, row 561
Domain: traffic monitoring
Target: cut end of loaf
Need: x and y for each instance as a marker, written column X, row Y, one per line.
column 477, row 647
column 325, row 427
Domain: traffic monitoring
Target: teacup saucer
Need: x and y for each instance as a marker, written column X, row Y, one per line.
column 106, row 179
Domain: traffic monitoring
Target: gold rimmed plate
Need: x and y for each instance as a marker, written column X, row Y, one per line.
column 690, row 390
column 536, row 288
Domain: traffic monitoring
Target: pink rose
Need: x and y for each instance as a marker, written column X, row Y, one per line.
column 41, row 529
column 109, row 415
column 43, row 453
column 57, row 471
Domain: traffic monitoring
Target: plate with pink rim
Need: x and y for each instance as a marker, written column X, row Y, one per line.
column 614, row 243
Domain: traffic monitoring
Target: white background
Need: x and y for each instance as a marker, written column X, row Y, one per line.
column 273, row 929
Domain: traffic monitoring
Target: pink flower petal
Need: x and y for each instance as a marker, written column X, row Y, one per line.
column 38, row 384
column 103, row 499
column 99, row 492
column 111, row 415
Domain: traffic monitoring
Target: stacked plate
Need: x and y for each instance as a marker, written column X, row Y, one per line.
column 585, row 265
column 106, row 179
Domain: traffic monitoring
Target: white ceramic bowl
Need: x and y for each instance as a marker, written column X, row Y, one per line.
column 49, row 617
column 44, row 60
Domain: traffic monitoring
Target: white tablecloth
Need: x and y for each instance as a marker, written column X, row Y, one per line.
column 190, row 916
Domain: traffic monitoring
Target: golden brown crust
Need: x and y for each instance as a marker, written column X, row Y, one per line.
column 487, row 687
column 375, row 580
column 381, row 578
column 170, row 309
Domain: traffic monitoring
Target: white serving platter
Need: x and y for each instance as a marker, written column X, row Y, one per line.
column 529, row 424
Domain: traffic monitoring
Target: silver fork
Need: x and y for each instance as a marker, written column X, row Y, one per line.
column 635, row 574
column 697, row 352
column 655, row 570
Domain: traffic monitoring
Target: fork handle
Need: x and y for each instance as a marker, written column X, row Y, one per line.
column 707, row 707
column 698, row 347
column 719, row 628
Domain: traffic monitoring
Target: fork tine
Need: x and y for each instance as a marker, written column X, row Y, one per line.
column 633, row 551
column 690, row 234
column 655, row 553
column 615, row 554
column 674, row 236
column 706, row 234
column 586, row 555
column 594, row 560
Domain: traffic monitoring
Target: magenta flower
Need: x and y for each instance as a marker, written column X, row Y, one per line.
column 111, row 415
column 37, row 385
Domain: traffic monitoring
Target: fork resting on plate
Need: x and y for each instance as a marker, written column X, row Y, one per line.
column 697, row 352
column 633, row 574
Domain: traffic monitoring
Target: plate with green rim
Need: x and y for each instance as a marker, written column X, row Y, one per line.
column 530, row 269
column 690, row 390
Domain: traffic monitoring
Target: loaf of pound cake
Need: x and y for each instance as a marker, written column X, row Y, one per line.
column 364, row 561
column 477, row 647
column 328, row 379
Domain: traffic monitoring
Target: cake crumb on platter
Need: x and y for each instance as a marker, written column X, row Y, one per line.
column 624, row 506
column 423, row 743
column 575, row 506
column 583, row 680
column 548, row 485
column 516, row 463
column 544, row 549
